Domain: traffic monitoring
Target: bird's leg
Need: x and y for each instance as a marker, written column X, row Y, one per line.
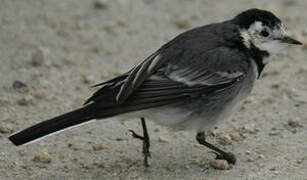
column 146, row 141
column 220, row 154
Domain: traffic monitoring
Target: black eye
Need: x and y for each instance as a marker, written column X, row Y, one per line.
column 264, row 33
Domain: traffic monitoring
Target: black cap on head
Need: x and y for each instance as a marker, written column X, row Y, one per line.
column 248, row 17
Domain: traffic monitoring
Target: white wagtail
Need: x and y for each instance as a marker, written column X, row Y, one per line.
column 191, row 82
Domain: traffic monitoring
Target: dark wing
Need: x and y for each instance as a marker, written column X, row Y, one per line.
column 120, row 88
column 218, row 66
column 158, row 81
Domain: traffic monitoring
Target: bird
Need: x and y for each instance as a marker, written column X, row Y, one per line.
column 191, row 82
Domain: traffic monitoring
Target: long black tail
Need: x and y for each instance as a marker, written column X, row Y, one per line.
column 53, row 125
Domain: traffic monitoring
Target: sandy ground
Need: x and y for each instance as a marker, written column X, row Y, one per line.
column 51, row 52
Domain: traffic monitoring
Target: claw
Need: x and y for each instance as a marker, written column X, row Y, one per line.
column 213, row 152
column 229, row 157
column 135, row 135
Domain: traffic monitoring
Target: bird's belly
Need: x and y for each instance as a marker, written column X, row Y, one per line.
column 198, row 114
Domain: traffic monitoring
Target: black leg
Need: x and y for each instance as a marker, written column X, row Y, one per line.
column 146, row 141
column 220, row 154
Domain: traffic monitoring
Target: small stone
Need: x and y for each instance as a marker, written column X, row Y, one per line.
column 225, row 140
column 275, row 85
column 290, row 3
column 212, row 132
column 261, row 156
column 248, row 100
column 219, row 164
column 87, row 79
column 275, row 133
column 42, row 157
column 25, row 101
column 38, row 57
column 98, row 147
column 294, row 124
column 250, row 160
column 119, row 139
column 182, row 23
column 273, row 169
column 19, row 84
column 299, row 161
column 156, row 130
column 100, row 4
column 74, row 147
column 6, row 128
column 22, row 153
column 163, row 139
column 40, row 94
column 249, row 128
column 235, row 137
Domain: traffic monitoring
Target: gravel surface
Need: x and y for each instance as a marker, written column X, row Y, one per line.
column 51, row 52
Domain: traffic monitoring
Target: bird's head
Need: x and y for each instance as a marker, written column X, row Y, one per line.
column 263, row 30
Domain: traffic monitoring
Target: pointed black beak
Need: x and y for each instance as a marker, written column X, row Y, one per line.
column 290, row 40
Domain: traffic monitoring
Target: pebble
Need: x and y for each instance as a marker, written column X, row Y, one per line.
column 87, row 79
column 219, row 164
column 289, row 3
column 22, row 153
column 225, row 140
column 163, row 139
column 294, row 123
column 261, row 156
column 235, row 137
column 182, row 23
column 98, row 147
column 6, row 128
column 248, row 100
column 40, row 94
column 274, row 133
column 38, row 57
column 250, row 160
column 275, row 85
column 43, row 157
column 25, row 101
column 249, row 128
column 156, row 130
column 100, row 4
column 19, row 84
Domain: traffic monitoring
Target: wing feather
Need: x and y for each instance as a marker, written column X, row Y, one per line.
column 162, row 80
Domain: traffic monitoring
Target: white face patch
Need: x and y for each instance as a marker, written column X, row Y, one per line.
column 273, row 47
column 253, row 35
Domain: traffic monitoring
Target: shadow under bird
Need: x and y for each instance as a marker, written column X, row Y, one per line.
column 190, row 83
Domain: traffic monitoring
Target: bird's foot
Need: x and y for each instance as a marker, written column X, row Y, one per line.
column 220, row 154
column 146, row 142
column 228, row 156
